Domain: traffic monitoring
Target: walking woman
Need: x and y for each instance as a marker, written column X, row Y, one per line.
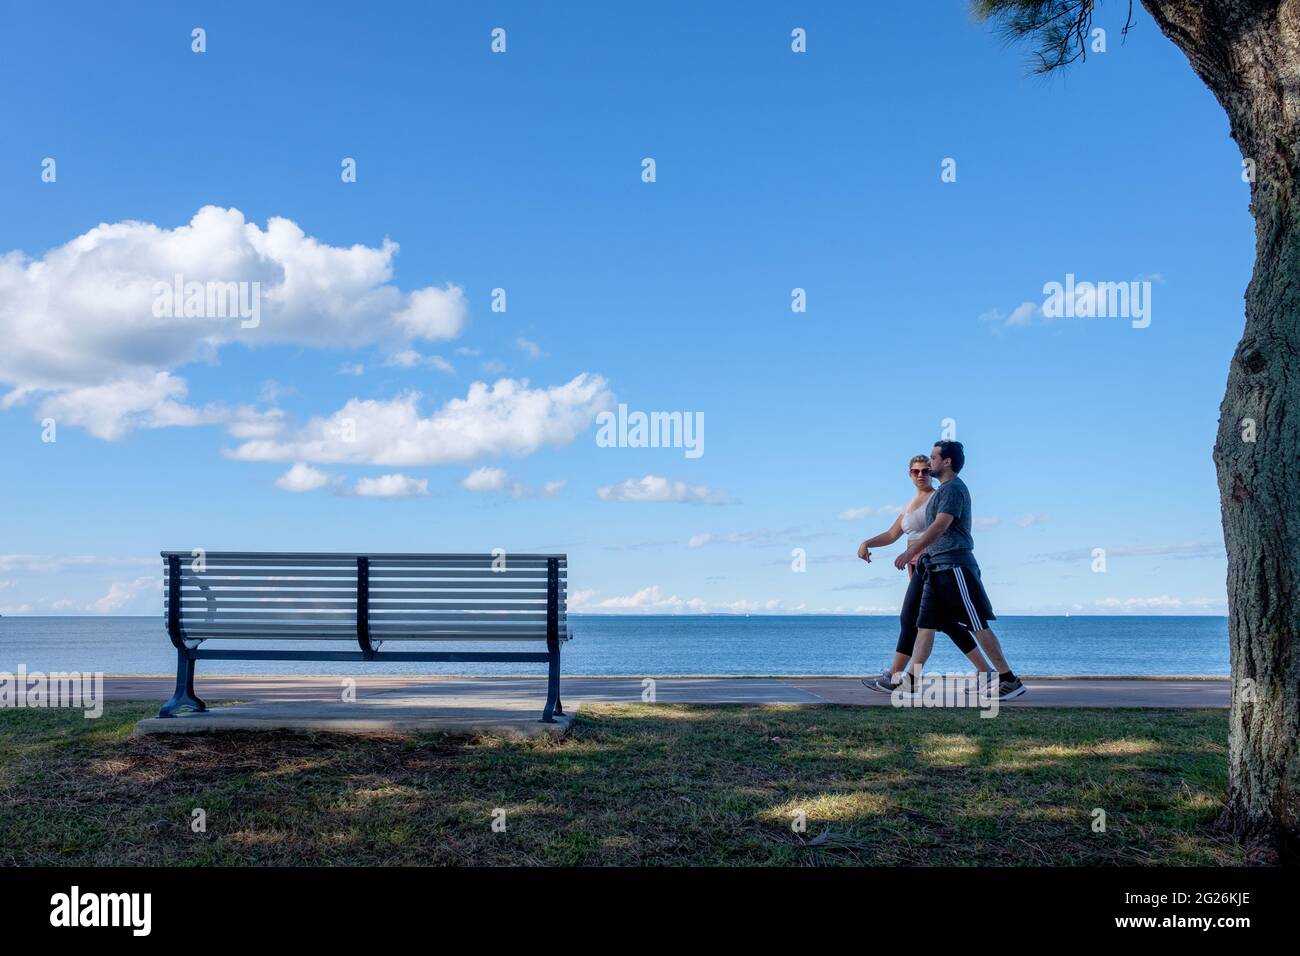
column 912, row 522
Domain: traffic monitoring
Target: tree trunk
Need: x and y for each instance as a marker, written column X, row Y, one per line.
column 1248, row 53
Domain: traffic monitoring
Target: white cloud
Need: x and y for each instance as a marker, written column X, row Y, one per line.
column 485, row 479
column 578, row 599
column 272, row 391
column 1028, row 521
column 658, row 489
column 250, row 423
column 407, row 358
column 532, row 348
column 352, row 368
column 650, row 598
column 110, row 411
column 760, row 537
column 79, row 328
column 41, row 563
column 122, row 592
column 1183, row 551
column 1161, row 602
column 509, row 418
column 853, row 514
column 1023, row 314
column 392, row 486
column 983, row 524
column 410, row 358
column 432, row 314
column 302, row 477
column 495, row 479
column 653, row 600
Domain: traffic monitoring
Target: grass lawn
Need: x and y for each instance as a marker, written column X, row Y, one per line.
column 643, row 784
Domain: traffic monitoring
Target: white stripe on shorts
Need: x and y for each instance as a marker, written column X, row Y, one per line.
column 977, row 622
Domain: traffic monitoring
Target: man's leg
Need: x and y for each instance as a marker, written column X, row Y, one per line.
column 966, row 644
column 978, row 609
column 993, row 648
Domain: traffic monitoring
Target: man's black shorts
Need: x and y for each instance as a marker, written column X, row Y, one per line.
column 954, row 596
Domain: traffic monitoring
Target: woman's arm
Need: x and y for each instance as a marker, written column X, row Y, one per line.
column 889, row 537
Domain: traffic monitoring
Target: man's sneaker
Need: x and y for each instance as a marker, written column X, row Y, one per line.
column 883, row 684
column 907, row 685
column 1006, row 690
column 983, row 682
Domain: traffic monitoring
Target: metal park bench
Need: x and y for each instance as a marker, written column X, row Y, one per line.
column 367, row 600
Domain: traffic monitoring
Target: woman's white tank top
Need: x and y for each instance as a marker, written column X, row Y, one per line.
column 914, row 521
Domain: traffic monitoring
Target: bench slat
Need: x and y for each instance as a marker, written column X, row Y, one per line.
column 480, row 584
column 350, row 616
column 193, row 607
column 221, row 574
column 399, row 596
column 271, row 572
column 307, row 634
column 199, row 584
column 267, row 557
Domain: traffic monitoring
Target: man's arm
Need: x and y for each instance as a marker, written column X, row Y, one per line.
column 931, row 534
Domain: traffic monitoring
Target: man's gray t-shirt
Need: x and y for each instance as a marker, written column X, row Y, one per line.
column 955, row 547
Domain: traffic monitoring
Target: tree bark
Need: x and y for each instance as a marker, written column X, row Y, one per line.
column 1248, row 53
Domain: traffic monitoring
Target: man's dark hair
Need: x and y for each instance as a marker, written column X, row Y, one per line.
column 953, row 451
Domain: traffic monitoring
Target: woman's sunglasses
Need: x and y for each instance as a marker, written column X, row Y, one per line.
column 920, row 471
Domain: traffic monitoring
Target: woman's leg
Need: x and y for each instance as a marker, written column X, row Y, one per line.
column 966, row 644
column 907, row 621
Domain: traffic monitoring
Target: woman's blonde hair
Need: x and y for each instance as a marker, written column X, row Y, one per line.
column 923, row 459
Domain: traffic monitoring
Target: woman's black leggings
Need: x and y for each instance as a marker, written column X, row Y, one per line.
column 912, row 607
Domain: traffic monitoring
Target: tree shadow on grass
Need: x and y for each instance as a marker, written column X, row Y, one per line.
column 633, row 784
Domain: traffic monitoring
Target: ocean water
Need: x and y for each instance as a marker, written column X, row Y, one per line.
column 676, row 644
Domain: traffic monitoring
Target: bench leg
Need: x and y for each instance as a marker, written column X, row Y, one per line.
column 184, row 695
column 552, row 689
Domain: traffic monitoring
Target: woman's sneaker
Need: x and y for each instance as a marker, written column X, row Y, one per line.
column 884, row 684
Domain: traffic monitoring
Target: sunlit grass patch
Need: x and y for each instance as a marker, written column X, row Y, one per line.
column 827, row 808
column 949, row 750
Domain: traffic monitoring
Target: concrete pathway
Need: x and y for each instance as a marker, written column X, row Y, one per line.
column 512, row 706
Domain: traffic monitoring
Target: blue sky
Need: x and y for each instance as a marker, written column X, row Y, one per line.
column 523, row 171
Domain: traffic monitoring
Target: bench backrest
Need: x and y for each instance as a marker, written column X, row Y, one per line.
column 222, row 595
